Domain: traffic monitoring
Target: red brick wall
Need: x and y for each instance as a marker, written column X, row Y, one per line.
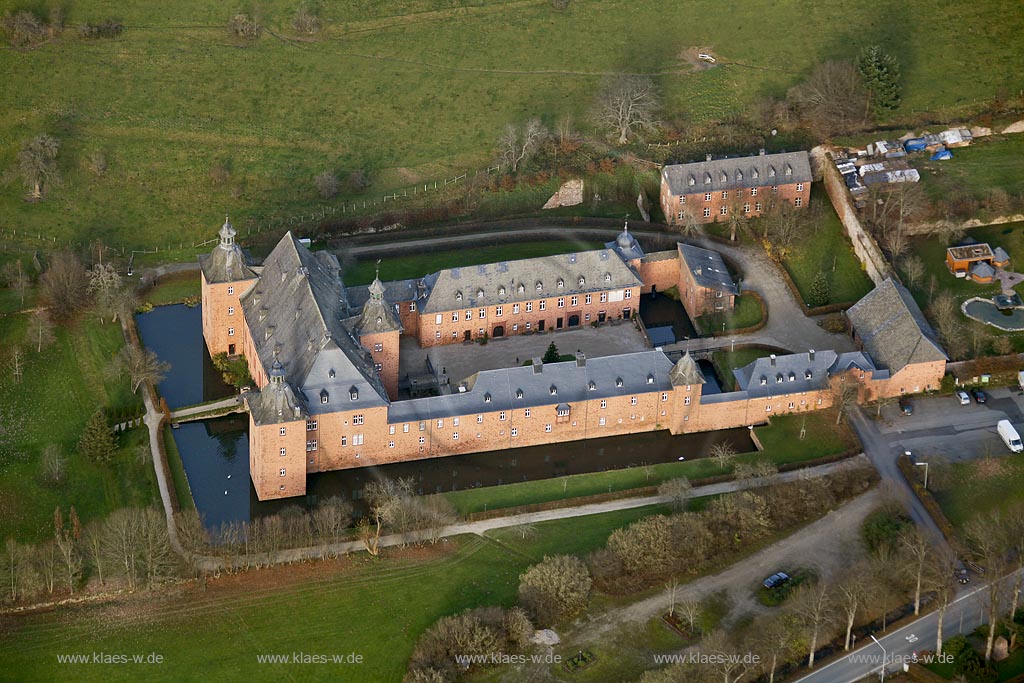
column 662, row 273
column 222, row 313
column 698, row 300
column 516, row 323
column 671, row 205
column 266, row 461
column 387, row 358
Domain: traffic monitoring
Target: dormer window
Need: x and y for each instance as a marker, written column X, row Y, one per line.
column 650, row 378
column 808, row 374
column 739, row 176
column 753, row 173
column 723, row 177
column 331, row 373
column 519, row 393
column 353, row 394
column 479, row 294
column 522, row 288
column 764, row 380
column 618, row 381
column 771, row 171
column 778, row 379
column 693, row 181
column 458, row 296
column 324, row 396
column 792, row 377
column 560, row 283
column 487, row 398
column 582, row 281
column 707, row 178
column 501, row 291
column 607, row 277
column 553, row 389
column 540, row 285
column 591, row 386
column 789, row 170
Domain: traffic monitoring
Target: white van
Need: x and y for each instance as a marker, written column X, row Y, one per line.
column 1009, row 436
column 1020, row 379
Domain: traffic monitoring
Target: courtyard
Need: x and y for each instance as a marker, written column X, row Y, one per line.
column 459, row 361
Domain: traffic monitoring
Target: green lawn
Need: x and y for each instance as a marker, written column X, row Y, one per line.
column 61, row 389
column 177, row 467
column 411, row 266
column 376, row 608
column 174, row 289
column 827, row 250
column 427, row 87
column 968, row 489
column 727, row 361
column 780, row 439
column 746, row 313
column 989, row 162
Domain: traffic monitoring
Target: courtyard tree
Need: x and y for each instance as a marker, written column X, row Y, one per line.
column 844, row 395
column 97, row 441
column 40, row 330
column 949, row 323
column 880, row 73
column 37, row 164
column 832, row 99
column 518, row 143
column 139, row 365
column 677, row 492
column 688, row 226
column 625, row 105
column 913, row 269
column 64, row 286
column 723, row 452
column 556, row 589
column 551, row 355
column 821, row 292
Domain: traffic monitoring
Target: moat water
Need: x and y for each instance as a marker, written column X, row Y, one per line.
column 175, row 334
column 216, row 458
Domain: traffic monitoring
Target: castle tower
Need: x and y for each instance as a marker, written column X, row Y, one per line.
column 687, row 386
column 277, row 438
column 225, row 276
column 379, row 330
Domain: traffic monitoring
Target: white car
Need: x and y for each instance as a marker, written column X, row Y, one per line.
column 964, row 399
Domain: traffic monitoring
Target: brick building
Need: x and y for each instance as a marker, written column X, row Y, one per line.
column 711, row 190
column 324, row 358
column 705, row 284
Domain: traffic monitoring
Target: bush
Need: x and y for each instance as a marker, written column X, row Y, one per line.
column 954, row 646
column 475, row 632
column 25, row 28
column 234, row 370
column 305, row 21
column 326, row 184
column 110, row 28
column 244, row 26
column 52, row 465
column 834, row 322
column 556, row 589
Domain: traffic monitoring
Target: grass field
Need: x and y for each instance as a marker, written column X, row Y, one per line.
column 174, row 289
column 427, row 87
column 969, row 489
column 61, row 389
column 417, row 265
column 373, row 608
column 780, row 439
column 990, row 162
column 727, row 361
column 827, row 250
column 177, row 467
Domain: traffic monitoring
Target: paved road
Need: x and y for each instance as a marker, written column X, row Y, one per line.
column 963, row 615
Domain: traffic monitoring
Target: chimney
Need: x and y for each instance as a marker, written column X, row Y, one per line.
column 538, row 366
column 581, row 359
column 760, row 152
column 772, row 357
column 707, row 157
column 810, row 354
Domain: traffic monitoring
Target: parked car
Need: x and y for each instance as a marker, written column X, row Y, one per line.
column 979, row 395
column 906, row 407
column 1009, row 436
column 961, row 575
column 776, row 580
column 963, row 398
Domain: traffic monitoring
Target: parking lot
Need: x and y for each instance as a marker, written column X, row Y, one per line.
column 940, row 426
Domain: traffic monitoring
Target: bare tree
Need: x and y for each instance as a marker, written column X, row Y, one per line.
column 689, row 227
column 40, row 330
column 326, row 184
column 330, row 519
column 627, row 104
column 775, row 641
column 16, row 362
column 942, row 580
column 516, row 145
column 811, row 603
column 913, row 268
column 555, row 589
column 64, row 286
column 852, row 593
column 105, row 286
column 121, row 540
column 917, row 551
column 726, row 661
column 690, row 611
column 67, row 538
column 672, row 591
column 37, row 164
column 723, row 452
column 14, row 277
column 192, row 536
column 832, row 99
column 844, row 395
column 985, row 537
column 948, row 323
column 305, row 20
column 244, row 26
column 92, row 543
column 677, row 491
column 139, row 365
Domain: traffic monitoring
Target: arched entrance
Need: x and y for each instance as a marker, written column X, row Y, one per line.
column 574, row 320
column 499, row 331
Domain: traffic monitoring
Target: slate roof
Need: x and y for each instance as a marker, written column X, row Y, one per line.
column 601, row 270
column 277, row 402
column 378, row 315
column 686, row 372
column 999, row 255
column 982, row 269
column 495, row 390
column 893, row 329
column 796, row 372
column 626, row 245
column 394, row 291
column 295, row 315
column 708, row 269
column 226, row 263
column 727, row 174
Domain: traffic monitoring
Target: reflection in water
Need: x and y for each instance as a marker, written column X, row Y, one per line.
column 657, row 310
column 175, row 334
column 712, row 384
column 217, row 448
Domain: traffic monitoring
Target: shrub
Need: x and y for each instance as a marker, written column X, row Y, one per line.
column 834, row 322
column 305, row 21
column 244, row 26
column 326, row 184
column 53, row 465
column 480, row 631
column 24, row 28
column 555, row 589
column 110, row 28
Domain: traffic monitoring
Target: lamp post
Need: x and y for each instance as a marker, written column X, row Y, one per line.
column 884, row 655
column 919, row 464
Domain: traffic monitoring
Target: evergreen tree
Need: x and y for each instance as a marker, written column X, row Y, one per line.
column 97, row 440
column 820, row 292
column 881, row 75
column 551, row 355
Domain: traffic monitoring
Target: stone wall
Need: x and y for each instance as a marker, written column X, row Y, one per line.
column 659, row 269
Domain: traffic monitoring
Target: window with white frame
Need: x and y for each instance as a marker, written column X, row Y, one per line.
column 515, row 308
column 753, row 192
column 497, row 310
column 547, row 428
column 632, row 400
column 707, row 212
column 628, row 294
column 455, row 317
column 725, row 194
column 601, row 422
column 344, row 441
column 515, row 431
column 357, row 419
column 799, row 187
column 664, row 396
column 481, row 313
column 799, row 201
column 357, row 439
column 311, row 445
column 379, row 367
column 282, row 431
column 455, row 436
column 231, row 290
column 391, row 444
column 561, row 302
column 604, row 404
column 231, row 310
column 405, row 428
column 529, row 306
column 479, row 419
column 603, row 298
column 686, row 400
column 455, row 422
column 526, row 413
column 588, row 299
column 282, row 451
column 758, row 207
column 574, row 301
column 707, row 196
column 501, row 415
column 469, row 315
column 423, row 440
column 378, row 347
column 231, row 332
column 543, row 305
column 412, row 306
column 283, row 472
column 311, row 425
column 440, row 424
column 723, row 210
column 562, row 412
column 746, row 208
column 437, row 335
column 679, row 216
column 391, row 429
column 437, row 319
